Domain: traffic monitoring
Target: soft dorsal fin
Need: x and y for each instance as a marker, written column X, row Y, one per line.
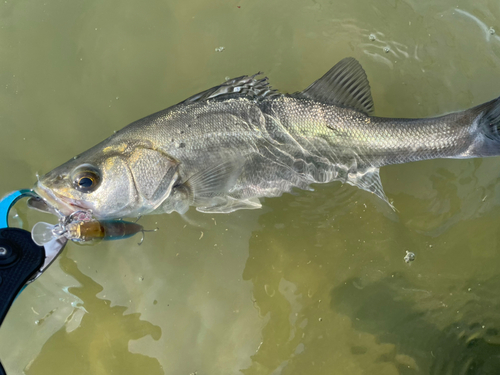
column 345, row 85
column 248, row 86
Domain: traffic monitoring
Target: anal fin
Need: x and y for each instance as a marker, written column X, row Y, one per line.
column 369, row 179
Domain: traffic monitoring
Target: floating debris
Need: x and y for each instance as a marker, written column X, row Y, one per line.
column 219, row 49
column 409, row 257
column 372, row 37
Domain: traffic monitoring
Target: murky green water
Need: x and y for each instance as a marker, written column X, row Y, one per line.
column 311, row 284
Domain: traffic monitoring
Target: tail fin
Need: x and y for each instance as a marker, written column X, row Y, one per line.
column 489, row 119
column 485, row 131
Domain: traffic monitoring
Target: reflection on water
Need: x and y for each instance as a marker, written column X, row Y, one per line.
column 95, row 329
column 469, row 344
column 453, row 192
column 389, row 318
column 293, row 273
column 314, row 283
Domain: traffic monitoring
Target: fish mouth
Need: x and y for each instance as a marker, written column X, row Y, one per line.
column 37, row 203
column 57, row 203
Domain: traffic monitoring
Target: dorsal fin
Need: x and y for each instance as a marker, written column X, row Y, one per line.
column 248, row 86
column 345, row 85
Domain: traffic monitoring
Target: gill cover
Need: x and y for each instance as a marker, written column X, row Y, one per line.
column 154, row 174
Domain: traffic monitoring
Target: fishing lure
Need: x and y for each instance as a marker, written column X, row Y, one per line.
column 82, row 228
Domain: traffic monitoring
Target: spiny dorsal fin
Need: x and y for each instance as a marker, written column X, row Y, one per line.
column 345, row 85
column 244, row 86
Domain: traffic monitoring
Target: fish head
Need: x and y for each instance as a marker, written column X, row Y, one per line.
column 112, row 181
column 102, row 186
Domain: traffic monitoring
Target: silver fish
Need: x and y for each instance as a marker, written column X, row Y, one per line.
column 224, row 148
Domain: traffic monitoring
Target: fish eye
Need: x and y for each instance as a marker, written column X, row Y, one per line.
column 86, row 178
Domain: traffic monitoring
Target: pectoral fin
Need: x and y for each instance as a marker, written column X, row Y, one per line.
column 210, row 187
column 215, row 180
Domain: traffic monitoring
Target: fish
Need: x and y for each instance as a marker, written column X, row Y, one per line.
column 225, row 148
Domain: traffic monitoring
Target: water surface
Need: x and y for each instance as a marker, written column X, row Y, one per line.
column 313, row 282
